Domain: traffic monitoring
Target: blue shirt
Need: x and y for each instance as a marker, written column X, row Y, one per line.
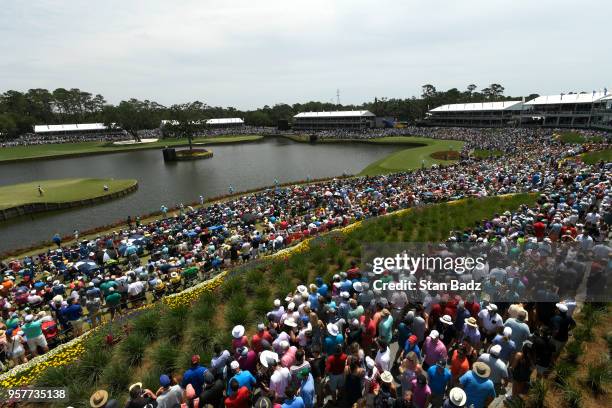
column 195, row 377
column 295, row 402
column 403, row 332
column 73, row 312
column 307, row 391
column 330, row 343
column 244, row 378
column 477, row 389
column 438, row 380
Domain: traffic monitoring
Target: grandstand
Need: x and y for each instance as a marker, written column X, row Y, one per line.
column 484, row 114
column 225, row 122
column 334, row 120
column 77, row 128
column 574, row 110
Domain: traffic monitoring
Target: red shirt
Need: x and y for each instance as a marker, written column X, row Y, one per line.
column 539, row 228
column 335, row 364
column 256, row 340
column 240, row 399
column 367, row 338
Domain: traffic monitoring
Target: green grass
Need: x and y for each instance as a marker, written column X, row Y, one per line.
column 59, row 191
column 413, row 158
column 74, row 149
column 596, row 157
column 484, row 154
column 571, row 137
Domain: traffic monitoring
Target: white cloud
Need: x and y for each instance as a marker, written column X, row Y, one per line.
column 249, row 53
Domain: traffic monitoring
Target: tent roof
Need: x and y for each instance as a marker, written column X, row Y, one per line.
column 224, row 121
column 77, row 127
column 482, row 106
column 588, row 97
column 335, row 114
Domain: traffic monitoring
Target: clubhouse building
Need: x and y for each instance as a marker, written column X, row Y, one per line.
column 334, row 120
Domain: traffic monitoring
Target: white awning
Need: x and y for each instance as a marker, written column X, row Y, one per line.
column 225, row 121
column 77, row 127
column 588, row 97
column 335, row 114
column 482, row 106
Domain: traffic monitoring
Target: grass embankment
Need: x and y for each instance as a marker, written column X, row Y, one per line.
column 59, row 191
column 10, row 154
column 162, row 339
column 412, row 158
column 577, row 138
column 485, row 154
column 419, row 154
column 596, row 157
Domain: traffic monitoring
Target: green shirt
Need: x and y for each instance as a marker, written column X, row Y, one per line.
column 32, row 329
column 105, row 286
column 190, row 272
column 113, row 299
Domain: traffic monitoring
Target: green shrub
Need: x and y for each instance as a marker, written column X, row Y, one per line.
column 598, row 375
column 55, row 376
column 91, row 365
column 232, row 285
column 163, row 357
column 572, row 397
column 537, row 394
column 201, row 335
column 203, row 311
column 133, row 349
column 563, row 371
column 172, row 323
column 117, row 376
column 146, row 325
column 573, row 350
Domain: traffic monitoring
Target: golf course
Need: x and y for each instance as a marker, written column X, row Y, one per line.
column 413, row 157
column 47, row 151
column 58, row 194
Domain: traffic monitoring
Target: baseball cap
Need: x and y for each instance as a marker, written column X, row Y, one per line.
column 164, row 380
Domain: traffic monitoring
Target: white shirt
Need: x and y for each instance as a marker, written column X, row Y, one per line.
column 279, row 381
column 383, row 359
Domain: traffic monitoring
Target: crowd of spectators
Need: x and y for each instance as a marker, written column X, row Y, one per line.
column 343, row 331
column 32, row 139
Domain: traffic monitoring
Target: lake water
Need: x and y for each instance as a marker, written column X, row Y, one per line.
column 244, row 166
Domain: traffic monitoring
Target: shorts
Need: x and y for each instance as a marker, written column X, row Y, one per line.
column 77, row 324
column 38, row 341
column 336, row 381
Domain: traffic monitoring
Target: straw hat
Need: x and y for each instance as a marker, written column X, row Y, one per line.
column 267, row 357
column 238, row 331
column 333, row 329
column 471, row 322
column 98, row 399
column 481, row 369
column 387, row 377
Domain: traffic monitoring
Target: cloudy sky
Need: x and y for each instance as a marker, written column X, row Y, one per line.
column 248, row 53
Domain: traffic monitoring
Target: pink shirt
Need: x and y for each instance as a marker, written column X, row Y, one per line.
column 433, row 352
column 419, row 394
column 288, row 358
column 241, row 342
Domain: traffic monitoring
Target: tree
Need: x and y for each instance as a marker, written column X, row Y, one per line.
column 132, row 116
column 188, row 119
column 8, row 127
column 429, row 91
column 493, row 92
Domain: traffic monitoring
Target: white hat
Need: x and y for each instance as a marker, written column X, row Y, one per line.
column 562, row 307
column 261, row 327
column 32, row 292
column 387, row 377
column 507, row 331
column 333, row 329
column 446, row 319
column 267, row 357
column 345, row 295
column 302, row 289
column 29, row 318
column 291, row 306
column 234, row 365
column 358, row 287
column 90, row 284
column 495, row 350
column 277, row 302
column 238, row 331
column 369, row 362
column 492, row 307
column 290, row 321
column 434, row 334
column 284, row 345
column 457, row 397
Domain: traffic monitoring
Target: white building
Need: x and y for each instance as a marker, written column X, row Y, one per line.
column 334, row 120
column 574, row 110
column 482, row 114
column 70, row 129
column 225, row 122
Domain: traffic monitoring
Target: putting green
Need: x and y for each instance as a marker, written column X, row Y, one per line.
column 412, row 158
column 596, row 157
column 59, row 191
column 17, row 153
